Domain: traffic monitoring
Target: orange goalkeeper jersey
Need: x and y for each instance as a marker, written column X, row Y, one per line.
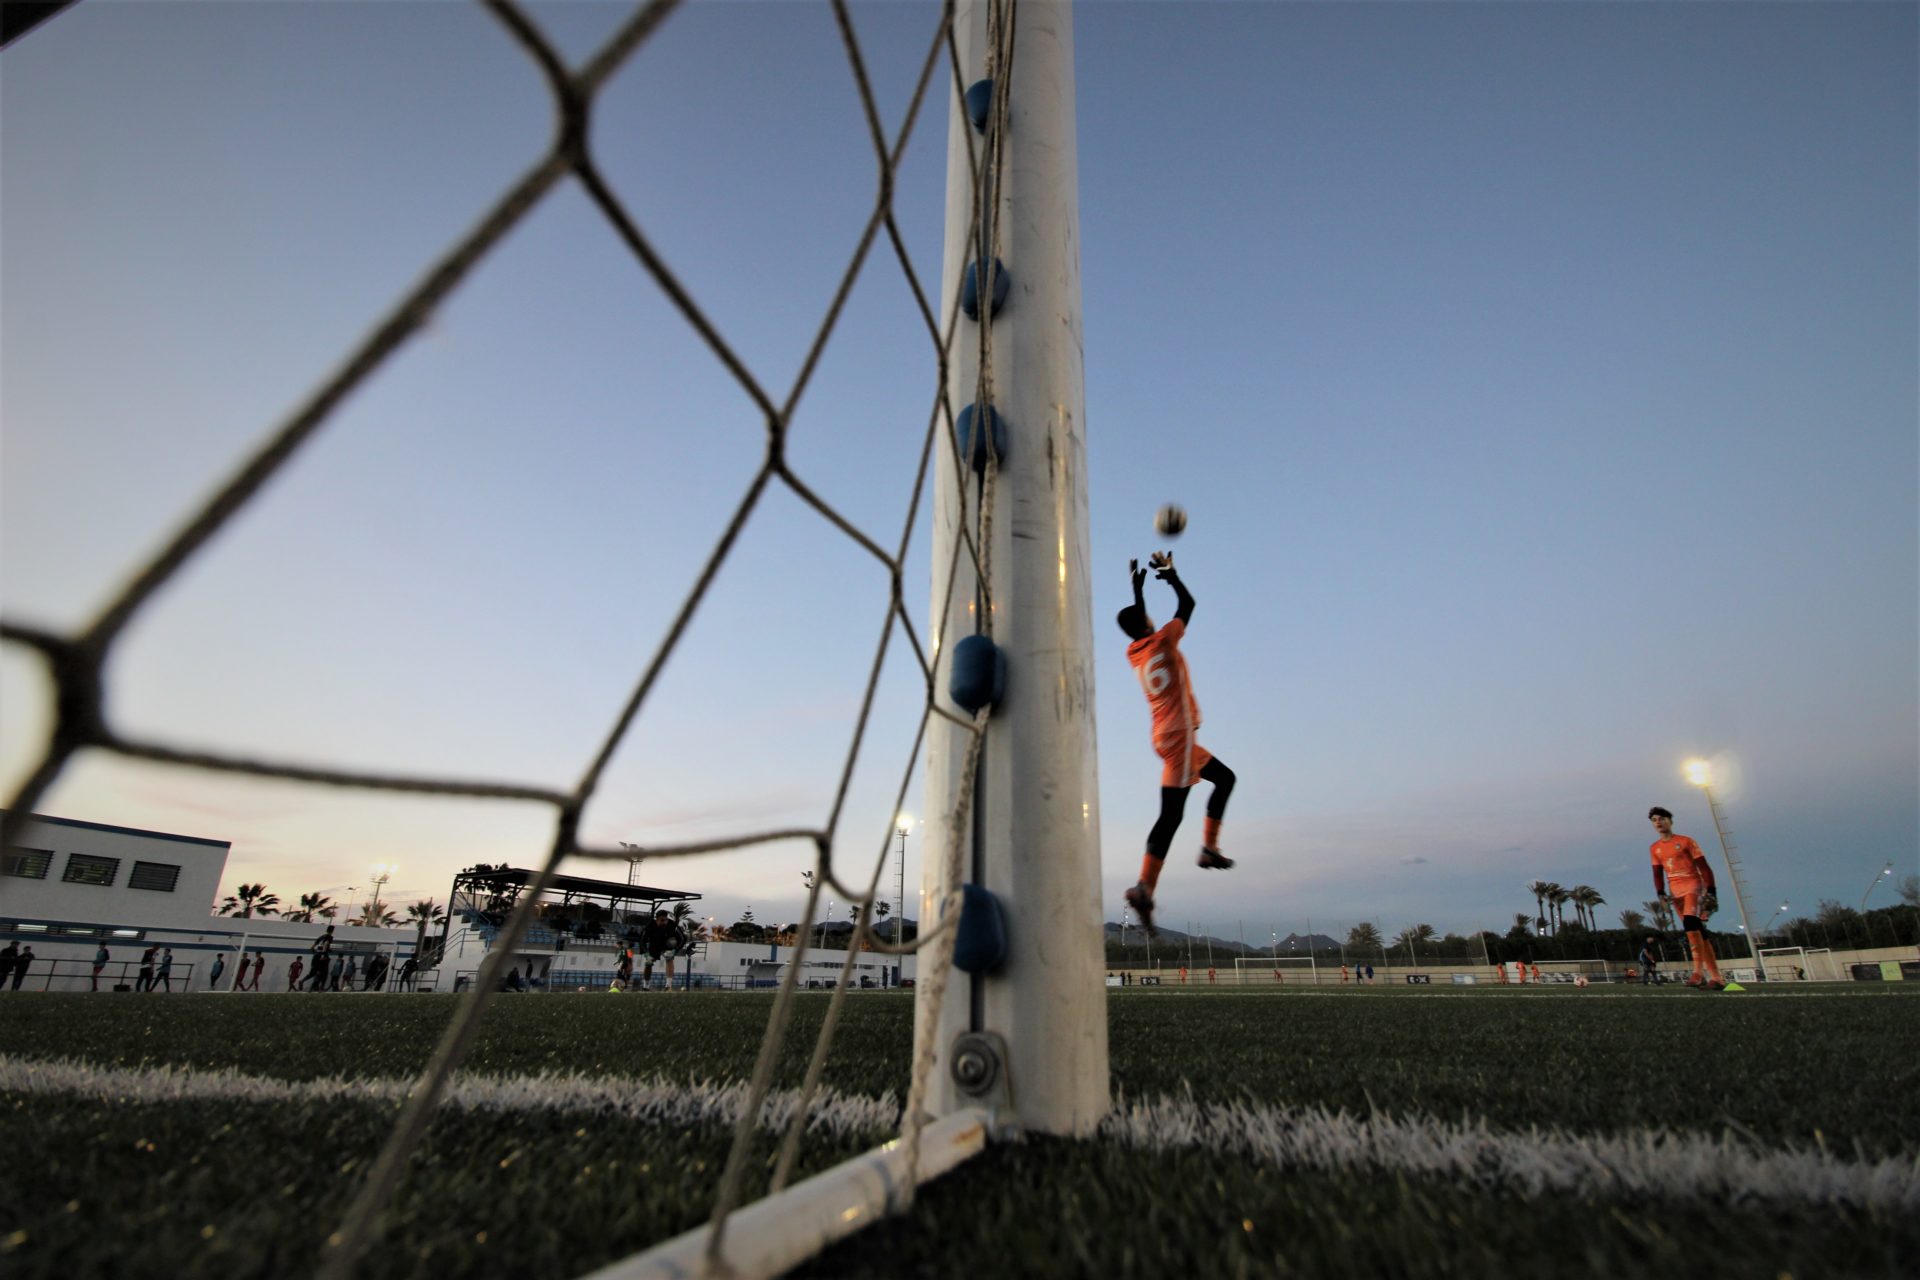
column 1163, row 677
column 1675, row 855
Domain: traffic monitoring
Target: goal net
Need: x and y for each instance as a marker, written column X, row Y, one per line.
column 964, row 481
column 1275, row 971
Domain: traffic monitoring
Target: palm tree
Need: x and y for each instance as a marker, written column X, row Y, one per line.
column 1364, row 936
column 1538, row 888
column 1413, row 934
column 1661, row 912
column 1632, row 921
column 375, row 917
column 251, row 900
column 311, row 905
column 1585, row 898
column 1556, row 899
column 423, row 915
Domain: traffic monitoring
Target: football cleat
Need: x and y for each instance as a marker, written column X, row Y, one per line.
column 1140, row 898
column 1214, row 860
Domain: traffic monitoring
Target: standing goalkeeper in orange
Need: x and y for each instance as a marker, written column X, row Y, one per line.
column 1681, row 875
column 1156, row 659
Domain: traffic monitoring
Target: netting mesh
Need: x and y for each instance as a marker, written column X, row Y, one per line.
column 84, row 719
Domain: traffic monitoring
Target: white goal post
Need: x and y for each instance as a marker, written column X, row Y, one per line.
column 1799, row 964
column 1570, row 971
column 1272, row 971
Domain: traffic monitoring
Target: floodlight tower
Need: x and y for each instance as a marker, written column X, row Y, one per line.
column 1700, row 774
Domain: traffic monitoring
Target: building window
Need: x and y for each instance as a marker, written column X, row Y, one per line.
column 158, row 876
column 29, row 864
column 84, row 868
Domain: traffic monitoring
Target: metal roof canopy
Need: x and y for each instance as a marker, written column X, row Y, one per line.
column 512, row 881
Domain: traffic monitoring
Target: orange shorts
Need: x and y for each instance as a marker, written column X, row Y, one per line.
column 1181, row 758
column 1686, row 897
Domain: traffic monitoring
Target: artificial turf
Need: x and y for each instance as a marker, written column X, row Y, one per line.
column 239, row 1189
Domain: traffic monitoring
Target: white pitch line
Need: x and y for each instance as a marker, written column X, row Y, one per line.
column 655, row 1100
column 1656, row 1163
column 1659, row 1164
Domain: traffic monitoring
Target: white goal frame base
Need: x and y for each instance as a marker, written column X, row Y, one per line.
column 772, row 1236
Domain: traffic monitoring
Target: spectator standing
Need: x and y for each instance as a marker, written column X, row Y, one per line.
column 100, row 958
column 145, row 981
column 219, row 967
column 293, row 973
column 339, row 967
column 21, row 965
column 347, row 976
column 408, row 968
column 259, row 967
column 9, row 957
column 163, row 976
column 1648, row 959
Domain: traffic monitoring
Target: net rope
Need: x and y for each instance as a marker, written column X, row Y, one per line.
column 75, row 662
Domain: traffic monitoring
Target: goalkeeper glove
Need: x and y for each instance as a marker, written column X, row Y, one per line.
column 1709, row 904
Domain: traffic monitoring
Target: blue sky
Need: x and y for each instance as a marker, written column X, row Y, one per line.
column 1540, row 380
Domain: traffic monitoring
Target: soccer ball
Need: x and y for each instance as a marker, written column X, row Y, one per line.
column 1170, row 520
column 1580, row 980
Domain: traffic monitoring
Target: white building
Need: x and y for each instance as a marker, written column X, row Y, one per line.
column 583, row 928
column 69, row 888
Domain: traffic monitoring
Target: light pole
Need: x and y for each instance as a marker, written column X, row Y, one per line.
column 1700, row 774
column 634, row 859
column 901, row 827
column 1882, row 874
column 382, row 872
column 1768, row 926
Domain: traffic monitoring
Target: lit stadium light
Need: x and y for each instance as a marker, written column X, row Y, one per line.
column 1698, row 772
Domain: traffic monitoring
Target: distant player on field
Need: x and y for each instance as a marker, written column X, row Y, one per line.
column 1681, row 875
column 1156, row 659
column 663, row 938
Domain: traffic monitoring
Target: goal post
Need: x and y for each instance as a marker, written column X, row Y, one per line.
column 1568, row 971
column 1799, row 964
column 1031, row 834
column 1275, row 971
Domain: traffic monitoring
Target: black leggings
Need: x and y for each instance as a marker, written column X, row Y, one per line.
column 1173, row 807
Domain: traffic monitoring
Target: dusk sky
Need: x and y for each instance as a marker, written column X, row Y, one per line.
column 1540, row 381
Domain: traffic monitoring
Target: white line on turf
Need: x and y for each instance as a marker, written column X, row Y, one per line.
column 655, row 1100
column 1660, row 1164
column 1656, row 1163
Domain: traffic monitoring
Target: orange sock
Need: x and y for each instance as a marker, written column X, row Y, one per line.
column 1150, row 871
column 1210, row 833
column 1694, row 944
column 1713, row 961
